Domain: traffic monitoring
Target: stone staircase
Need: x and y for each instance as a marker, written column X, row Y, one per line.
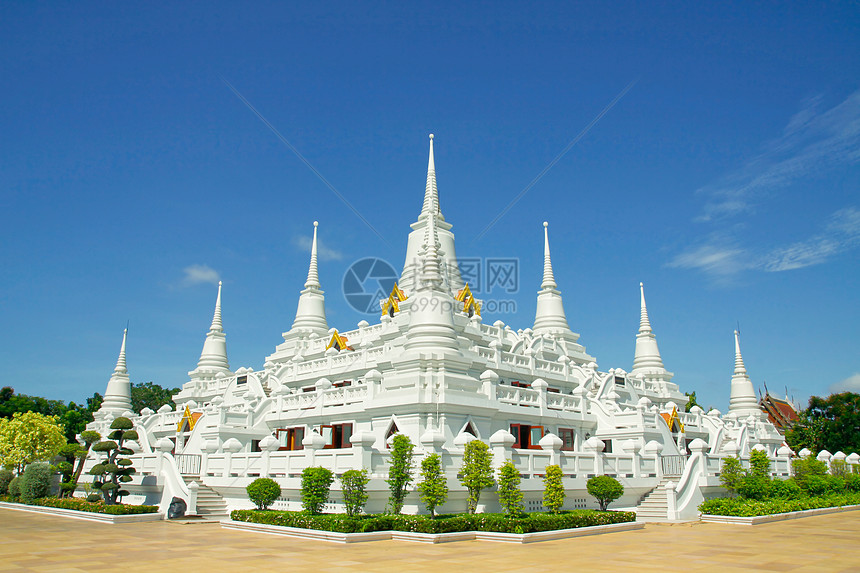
column 210, row 505
column 654, row 505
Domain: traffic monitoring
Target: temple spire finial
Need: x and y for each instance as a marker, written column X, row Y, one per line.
column 548, row 278
column 313, row 273
column 216, row 318
column 431, row 269
column 431, row 192
column 740, row 369
column 644, row 323
column 121, row 367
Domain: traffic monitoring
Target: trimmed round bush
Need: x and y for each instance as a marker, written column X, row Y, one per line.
column 316, row 484
column 605, row 489
column 105, row 446
column 36, row 481
column 5, row 478
column 263, row 492
column 15, row 486
column 121, row 423
column 94, row 497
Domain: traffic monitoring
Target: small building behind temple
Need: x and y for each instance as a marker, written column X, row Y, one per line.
column 780, row 413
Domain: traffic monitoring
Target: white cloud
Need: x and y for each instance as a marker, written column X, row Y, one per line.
column 304, row 243
column 812, row 141
column 199, row 274
column 850, row 384
column 719, row 261
column 722, row 258
column 841, row 233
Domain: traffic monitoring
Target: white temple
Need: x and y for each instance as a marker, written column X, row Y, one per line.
column 431, row 369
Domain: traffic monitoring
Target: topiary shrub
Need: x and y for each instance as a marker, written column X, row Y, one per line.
column 36, row 481
column 116, row 469
column 477, row 472
column 400, row 472
column 263, row 492
column 605, row 489
column 15, row 487
column 510, row 495
column 354, row 484
column 5, row 478
column 433, row 487
column 553, row 489
column 316, row 483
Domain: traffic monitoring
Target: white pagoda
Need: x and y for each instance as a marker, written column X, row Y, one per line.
column 432, row 370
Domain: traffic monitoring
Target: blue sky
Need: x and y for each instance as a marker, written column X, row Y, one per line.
column 132, row 178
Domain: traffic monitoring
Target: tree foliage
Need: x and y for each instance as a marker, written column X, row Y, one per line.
column 510, row 495
column 477, row 472
column 316, row 484
column 72, row 416
column 36, row 481
column 354, row 486
column 28, row 437
column 400, row 472
column 263, row 492
column 605, row 489
column 151, row 395
column 553, row 489
column 732, row 474
column 433, row 488
column 831, row 423
column 691, row 401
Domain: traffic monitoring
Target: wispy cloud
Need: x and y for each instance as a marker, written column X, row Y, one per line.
column 812, row 141
column 304, row 243
column 841, row 233
column 721, row 257
column 850, row 384
column 199, row 274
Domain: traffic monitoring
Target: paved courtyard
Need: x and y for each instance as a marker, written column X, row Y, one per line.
column 32, row 542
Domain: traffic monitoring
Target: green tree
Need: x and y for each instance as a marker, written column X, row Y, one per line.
column 477, row 472
column 759, row 464
column 605, row 489
column 400, row 472
column 28, row 437
column 116, row 469
column 263, row 492
column 36, row 481
column 691, row 401
column 510, row 495
column 433, row 487
column 316, row 484
column 553, row 489
column 732, row 474
column 831, row 423
column 89, row 438
column 151, row 395
column 354, row 486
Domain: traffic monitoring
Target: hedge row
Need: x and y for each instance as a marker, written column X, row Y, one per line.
column 741, row 507
column 442, row 524
column 91, row 507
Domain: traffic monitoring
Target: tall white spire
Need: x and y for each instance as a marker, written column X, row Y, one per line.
column 550, row 317
column 310, row 314
column 646, row 358
column 743, row 400
column 431, row 258
column 213, row 358
column 313, row 275
column 431, row 193
column 118, row 393
column 412, row 266
column 548, row 278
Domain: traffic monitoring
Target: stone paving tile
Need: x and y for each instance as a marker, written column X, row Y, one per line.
column 32, row 542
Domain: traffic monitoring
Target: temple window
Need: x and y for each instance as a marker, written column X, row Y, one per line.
column 526, row 437
column 290, row 438
column 567, row 436
column 337, row 435
column 241, row 380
